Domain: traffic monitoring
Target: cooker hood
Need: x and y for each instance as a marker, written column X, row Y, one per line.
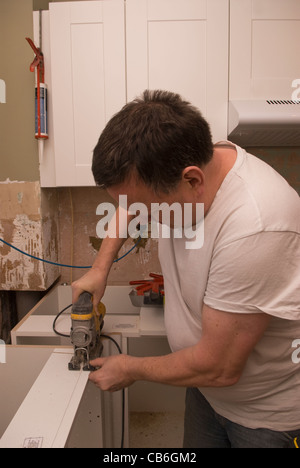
column 264, row 123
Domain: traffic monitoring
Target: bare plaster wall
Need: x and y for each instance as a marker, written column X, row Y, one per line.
column 29, row 222
column 79, row 244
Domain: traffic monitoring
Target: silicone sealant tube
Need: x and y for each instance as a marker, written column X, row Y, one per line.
column 43, row 133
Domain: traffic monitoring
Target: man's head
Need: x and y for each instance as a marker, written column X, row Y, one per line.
column 153, row 138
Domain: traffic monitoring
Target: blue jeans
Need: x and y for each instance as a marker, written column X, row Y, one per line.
column 204, row 428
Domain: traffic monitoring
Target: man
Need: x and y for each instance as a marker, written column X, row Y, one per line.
column 232, row 307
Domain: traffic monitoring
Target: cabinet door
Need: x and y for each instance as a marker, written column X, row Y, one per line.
column 88, row 81
column 264, row 60
column 181, row 46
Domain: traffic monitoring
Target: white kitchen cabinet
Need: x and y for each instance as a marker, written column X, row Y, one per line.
column 88, row 81
column 264, row 35
column 181, row 46
column 105, row 53
column 44, row 405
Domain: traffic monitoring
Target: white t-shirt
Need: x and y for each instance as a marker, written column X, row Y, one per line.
column 249, row 263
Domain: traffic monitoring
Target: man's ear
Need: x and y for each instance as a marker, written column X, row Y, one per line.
column 194, row 177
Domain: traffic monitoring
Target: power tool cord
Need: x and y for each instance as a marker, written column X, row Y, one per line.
column 55, row 320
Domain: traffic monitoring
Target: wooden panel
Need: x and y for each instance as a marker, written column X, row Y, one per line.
column 172, row 10
column 274, row 49
column 168, row 58
column 217, row 67
column 23, row 362
column 88, row 81
column 174, row 46
column 264, row 34
column 136, row 47
column 86, row 12
column 54, row 398
column 88, row 91
column 275, row 9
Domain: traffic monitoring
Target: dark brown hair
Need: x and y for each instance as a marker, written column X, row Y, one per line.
column 157, row 135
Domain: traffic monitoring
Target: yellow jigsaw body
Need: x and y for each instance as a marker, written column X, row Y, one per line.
column 87, row 323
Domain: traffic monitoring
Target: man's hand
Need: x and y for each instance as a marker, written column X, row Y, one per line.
column 112, row 374
column 93, row 282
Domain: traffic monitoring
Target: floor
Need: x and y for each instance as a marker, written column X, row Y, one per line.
column 156, row 430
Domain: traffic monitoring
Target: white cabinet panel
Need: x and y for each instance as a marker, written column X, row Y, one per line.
column 263, row 48
column 276, row 9
column 96, row 67
column 173, row 45
column 176, row 10
column 104, row 53
column 88, row 100
column 88, row 81
column 168, row 58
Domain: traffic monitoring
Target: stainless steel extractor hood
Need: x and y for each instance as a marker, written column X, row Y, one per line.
column 264, row 123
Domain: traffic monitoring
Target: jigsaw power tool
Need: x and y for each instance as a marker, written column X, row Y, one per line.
column 87, row 324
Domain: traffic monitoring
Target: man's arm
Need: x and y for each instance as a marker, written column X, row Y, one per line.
column 94, row 281
column 217, row 360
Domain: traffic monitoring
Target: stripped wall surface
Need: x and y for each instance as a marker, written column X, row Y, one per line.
column 28, row 220
column 79, row 244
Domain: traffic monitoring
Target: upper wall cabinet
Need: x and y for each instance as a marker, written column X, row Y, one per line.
column 101, row 54
column 181, row 46
column 94, row 67
column 88, row 81
column 264, row 36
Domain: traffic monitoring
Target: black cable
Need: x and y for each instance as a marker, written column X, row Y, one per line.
column 55, row 320
column 114, row 341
